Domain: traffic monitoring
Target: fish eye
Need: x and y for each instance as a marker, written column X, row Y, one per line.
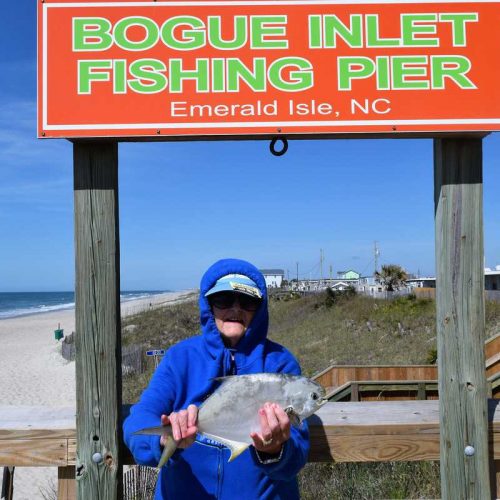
column 314, row 396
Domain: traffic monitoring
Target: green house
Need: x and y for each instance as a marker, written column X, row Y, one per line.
column 349, row 275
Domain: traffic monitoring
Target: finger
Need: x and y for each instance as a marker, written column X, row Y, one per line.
column 283, row 420
column 265, row 430
column 192, row 415
column 272, row 420
column 176, row 429
column 164, row 420
column 183, row 417
column 257, row 441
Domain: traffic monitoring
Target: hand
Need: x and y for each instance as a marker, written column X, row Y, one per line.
column 274, row 429
column 183, row 425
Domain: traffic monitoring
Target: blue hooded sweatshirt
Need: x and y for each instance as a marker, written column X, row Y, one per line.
column 185, row 376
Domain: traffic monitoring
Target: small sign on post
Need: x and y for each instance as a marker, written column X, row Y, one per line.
column 156, row 353
column 58, row 332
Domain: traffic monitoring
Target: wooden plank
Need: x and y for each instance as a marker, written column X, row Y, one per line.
column 98, row 343
column 374, row 448
column 66, row 483
column 33, row 453
column 493, row 365
column 460, row 317
column 379, row 448
column 492, row 346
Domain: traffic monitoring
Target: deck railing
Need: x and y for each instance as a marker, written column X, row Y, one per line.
column 340, row 432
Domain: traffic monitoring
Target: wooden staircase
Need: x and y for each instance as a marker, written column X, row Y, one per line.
column 398, row 382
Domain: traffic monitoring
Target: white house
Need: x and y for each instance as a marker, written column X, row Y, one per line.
column 368, row 286
column 274, row 277
column 492, row 278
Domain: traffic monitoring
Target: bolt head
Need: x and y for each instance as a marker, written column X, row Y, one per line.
column 469, row 451
column 97, row 458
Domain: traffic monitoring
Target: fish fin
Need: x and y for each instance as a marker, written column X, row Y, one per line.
column 168, row 451
column 223, row 379
column 293, row 416
column 161, row 430
column 236, row 447
column 170, row 444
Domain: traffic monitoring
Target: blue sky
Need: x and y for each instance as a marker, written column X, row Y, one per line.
column 183, row 205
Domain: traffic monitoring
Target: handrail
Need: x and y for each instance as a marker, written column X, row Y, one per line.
column 342, row 432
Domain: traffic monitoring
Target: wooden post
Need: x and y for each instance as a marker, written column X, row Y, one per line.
column 98, row 346
column 354, row 391
column 8, row 483
column 460, row 318
column 66, row 489
column 422, row 392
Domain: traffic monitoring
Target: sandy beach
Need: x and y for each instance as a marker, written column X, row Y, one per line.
column 33, row 373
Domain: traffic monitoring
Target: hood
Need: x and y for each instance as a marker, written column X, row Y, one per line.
column 257, row 331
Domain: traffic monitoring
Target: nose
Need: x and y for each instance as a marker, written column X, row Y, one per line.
column 236, row 304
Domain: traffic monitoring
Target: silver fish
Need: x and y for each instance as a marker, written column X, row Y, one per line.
column 230, row 414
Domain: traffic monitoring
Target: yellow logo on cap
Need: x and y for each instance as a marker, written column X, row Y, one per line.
column 250, row 290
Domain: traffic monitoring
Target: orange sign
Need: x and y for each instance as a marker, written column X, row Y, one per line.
column 264, row 67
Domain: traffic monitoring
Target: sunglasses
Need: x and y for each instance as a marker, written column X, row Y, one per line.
column 226, row 300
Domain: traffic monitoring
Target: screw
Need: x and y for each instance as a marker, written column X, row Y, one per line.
column 97, row 458
column 158, row 131
column 278, row 129
column 43, row 133
column 469, row 451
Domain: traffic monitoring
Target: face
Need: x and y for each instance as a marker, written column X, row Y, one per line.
column 233, row 313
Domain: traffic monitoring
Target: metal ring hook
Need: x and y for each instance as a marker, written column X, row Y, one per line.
column 283, row 150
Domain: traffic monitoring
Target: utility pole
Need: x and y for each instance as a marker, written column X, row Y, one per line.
column 331, row 272
column 376, row 254
column 297, row 275
column 321, row 258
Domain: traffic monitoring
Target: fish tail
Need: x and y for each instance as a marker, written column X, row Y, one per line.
column 168, row 450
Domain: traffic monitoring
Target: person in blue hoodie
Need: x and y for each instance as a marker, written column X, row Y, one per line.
column 234, row 324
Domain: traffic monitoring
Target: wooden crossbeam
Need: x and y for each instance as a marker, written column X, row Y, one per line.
column 340, row 432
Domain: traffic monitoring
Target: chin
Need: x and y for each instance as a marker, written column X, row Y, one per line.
column 234, row 335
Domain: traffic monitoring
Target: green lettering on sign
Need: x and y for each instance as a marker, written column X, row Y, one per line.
column 91, row 33
column 264, row 27
column 149, row 78
column 147, row 26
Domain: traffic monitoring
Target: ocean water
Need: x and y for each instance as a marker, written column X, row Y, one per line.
column 14, row 304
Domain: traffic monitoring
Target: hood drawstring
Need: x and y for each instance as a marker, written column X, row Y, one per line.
column 230, row 363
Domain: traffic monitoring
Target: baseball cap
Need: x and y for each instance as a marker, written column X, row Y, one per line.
column 236, row 283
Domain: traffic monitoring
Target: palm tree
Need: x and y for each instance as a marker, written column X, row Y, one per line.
column 391, row 276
